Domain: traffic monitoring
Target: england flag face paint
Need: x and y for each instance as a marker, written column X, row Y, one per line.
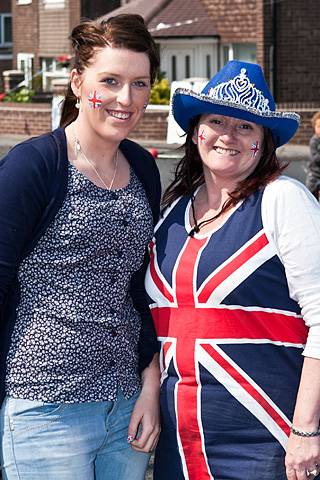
column 202, row 137
column 255, row 148
column 95, row 100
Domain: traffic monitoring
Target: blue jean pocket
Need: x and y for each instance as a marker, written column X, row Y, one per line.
column 25, row 415
column 18, row 407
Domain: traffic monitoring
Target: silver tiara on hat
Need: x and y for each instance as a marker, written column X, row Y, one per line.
column 240, row 91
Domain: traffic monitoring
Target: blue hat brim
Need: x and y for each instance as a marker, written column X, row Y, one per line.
column 187, row 105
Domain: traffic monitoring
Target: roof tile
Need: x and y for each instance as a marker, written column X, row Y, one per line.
column 171, row 18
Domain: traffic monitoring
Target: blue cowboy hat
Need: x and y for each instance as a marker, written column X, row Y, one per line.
column 238, row 90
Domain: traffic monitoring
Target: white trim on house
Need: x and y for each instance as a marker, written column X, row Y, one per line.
column 53, row 4
column 6, row 56
column 24, row 2
column 25, row 64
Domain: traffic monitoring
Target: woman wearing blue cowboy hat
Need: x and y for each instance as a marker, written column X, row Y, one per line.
column 234, row 282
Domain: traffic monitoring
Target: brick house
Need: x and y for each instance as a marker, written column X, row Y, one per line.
column 41, row 29
column 5, row 37
column 195, row 37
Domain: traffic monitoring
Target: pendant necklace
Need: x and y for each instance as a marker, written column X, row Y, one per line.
column 78, row 149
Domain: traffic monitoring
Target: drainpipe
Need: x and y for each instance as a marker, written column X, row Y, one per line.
column 273, row 50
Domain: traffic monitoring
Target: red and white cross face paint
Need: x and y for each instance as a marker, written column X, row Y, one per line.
column 95, row 100
column 202, row 136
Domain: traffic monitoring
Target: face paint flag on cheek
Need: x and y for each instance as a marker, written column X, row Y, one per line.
column 95, row 100
column 203, row 137
column 255, row 148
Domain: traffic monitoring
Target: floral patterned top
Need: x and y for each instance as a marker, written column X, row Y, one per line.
column 76, row 334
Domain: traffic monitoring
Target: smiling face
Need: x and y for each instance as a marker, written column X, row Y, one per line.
column 230, row 148
column 114, row 90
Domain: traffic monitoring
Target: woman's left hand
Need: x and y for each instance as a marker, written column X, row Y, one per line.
column 303, row 456
column 144, row 426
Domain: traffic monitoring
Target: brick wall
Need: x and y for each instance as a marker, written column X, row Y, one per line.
column 235, row 20
column 152, row 126
column 25, row 30
column 28, row 119
column 293, row 30
column 35, row 119
column 75, row 14
column 54, row 41
column 298, row 37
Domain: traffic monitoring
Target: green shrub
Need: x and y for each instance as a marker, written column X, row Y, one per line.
column 23, row 95
column 160, row 92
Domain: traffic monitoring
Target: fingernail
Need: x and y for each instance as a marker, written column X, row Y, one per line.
column 130, row 438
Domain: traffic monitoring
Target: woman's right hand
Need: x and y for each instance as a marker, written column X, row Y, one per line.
column 303, row 456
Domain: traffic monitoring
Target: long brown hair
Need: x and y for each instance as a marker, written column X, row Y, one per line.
column 121, row 31
column 189, row 172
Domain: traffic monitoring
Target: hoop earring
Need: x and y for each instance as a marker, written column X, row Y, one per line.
column 145, row 105
column 78, row 103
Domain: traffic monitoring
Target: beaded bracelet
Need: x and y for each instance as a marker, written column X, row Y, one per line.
column 300, row 433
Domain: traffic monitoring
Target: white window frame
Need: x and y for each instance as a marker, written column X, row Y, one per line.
column 2, row 17
column 53, row 73
column 27, row 58
column 51, row 4
column 24, row 2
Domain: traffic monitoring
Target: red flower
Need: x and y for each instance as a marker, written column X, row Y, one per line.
column 2, row 95
column 64, row 58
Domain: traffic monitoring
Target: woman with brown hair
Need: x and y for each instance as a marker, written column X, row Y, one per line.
column 77, row 206
column 234, row 282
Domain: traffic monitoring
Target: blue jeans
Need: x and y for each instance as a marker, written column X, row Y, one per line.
column 79, row 441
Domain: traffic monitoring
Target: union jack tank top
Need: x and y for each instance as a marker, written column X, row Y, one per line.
column 231, row 343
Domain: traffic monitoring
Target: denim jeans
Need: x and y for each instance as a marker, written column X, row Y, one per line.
column 80, row 441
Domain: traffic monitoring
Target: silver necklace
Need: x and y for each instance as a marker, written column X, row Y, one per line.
column 78, row 149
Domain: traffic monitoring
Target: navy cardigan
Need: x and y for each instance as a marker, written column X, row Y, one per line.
column 33, row 185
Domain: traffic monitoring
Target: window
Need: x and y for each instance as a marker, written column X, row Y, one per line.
column 53, row 3
column 246, row 52
column 50, row 64
column 5, row 29
column 53, row 68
